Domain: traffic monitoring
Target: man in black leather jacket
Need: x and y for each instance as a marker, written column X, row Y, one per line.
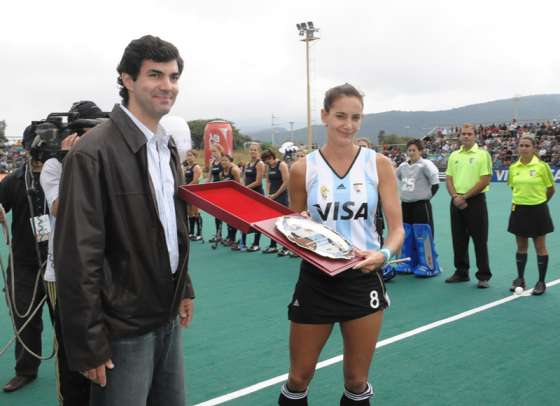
column 121, row 241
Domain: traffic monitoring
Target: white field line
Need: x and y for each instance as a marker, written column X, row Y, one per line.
column 391, row 340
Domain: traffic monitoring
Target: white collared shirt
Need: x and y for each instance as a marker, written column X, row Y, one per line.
column 163, row 182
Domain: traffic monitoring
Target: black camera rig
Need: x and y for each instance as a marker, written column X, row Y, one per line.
column 45, row 137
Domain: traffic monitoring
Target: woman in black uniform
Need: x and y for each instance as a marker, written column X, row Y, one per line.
column 277, row 177
column 230, row 171
column 356, row 297
column 254, row 171
column 192, row 177
column 215, row 175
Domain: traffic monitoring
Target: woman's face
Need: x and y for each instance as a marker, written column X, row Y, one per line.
column 413, row 153
column 190, row 158
column 300, row 155
column 254, row 151
column 215, row 153
column 525, row 148
column 343, row 120
column 225, row 162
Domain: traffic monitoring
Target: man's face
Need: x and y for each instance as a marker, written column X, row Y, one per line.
column 153, row 92
column 467, row 137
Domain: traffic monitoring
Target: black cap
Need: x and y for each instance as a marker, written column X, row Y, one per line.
column 87, row 109
column 28, row 136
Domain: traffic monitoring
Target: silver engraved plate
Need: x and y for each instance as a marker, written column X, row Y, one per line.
column 315, row 237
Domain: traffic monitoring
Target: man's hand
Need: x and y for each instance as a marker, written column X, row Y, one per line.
column 69, row 142
column 186, row 309
column 460, row 202
column 98, row 375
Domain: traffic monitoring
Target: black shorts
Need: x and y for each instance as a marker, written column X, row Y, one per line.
column 419, row 212
column 530, row 221
column 322, row 299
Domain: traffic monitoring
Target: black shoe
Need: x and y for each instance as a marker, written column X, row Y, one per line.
column 253, row 248
column 483, row 285
column 539, row 288
column 517, row 283
column 196, row 238
column 18, row 382
column 270, row 250
column 458, row 277
column 216, row 239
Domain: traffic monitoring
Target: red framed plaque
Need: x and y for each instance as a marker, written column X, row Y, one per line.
column 247, row 210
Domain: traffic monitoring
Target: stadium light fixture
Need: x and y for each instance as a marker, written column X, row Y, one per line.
column 307, row 32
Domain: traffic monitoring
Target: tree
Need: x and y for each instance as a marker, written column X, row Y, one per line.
column 393, row 139
column 197, row 133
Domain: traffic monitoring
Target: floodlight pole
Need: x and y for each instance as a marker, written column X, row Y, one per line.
column 309, row 127
column 307, row 32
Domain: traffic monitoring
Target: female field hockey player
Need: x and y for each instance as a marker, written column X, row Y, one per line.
column 192, row 177
column 344, row 175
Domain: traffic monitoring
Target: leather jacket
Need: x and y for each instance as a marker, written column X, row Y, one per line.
column 111, row 261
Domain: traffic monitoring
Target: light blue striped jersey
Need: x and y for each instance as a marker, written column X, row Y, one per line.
column 346, row 204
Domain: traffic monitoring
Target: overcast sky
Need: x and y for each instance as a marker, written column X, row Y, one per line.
column 244, row 61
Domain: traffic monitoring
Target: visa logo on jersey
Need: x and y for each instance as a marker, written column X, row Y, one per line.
column 342, row 211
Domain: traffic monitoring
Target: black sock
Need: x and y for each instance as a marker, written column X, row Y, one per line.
column 191, row 225
column 542, row 263
column 521, row 260
column 357, row 399
column 289, row 397
column 198, row 226
column 218, row 224
column 257, row 239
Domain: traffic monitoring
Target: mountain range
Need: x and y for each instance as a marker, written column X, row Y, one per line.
column 419, row 123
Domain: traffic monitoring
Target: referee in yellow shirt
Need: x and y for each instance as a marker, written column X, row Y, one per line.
column 532, row 186
column 469, row 171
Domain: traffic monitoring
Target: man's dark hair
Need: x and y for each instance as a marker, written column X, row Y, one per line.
column 419, row 144
column 147, row 47
column 87, row 109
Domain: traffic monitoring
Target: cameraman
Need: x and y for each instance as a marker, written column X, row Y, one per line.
column 20, row 192
column 73, row 387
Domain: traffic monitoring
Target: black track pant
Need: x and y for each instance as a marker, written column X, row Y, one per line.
column 471, row 222
column 24, row 278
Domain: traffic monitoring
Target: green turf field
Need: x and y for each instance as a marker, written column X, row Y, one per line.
column 504, row 355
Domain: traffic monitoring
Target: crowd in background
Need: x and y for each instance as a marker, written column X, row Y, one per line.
column 500, row 140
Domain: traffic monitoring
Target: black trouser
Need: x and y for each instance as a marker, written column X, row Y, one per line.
column 419, row 212
column 24, row 278
column 471, row 222
column 74, row 387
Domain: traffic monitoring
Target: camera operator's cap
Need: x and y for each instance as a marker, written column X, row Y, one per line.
column 87, row 109
column 28, row 137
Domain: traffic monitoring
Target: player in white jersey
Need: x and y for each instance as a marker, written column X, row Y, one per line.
column 339, row 185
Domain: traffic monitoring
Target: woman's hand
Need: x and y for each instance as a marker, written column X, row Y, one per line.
column 372, row 260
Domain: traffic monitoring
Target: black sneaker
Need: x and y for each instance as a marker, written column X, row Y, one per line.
column 282, row 253
column 216, row 238
column 196, row 238
column 518, row 282
column 253, row 248
column 539, row 288
column 458, row 277
column 270, row 250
